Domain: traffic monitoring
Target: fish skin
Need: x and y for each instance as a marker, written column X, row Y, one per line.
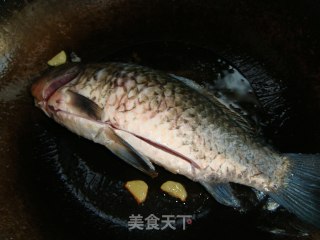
column 142, row 102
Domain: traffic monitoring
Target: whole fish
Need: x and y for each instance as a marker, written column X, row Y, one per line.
column 149, row 117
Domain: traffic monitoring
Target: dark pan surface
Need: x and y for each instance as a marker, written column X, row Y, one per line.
column 54, row 185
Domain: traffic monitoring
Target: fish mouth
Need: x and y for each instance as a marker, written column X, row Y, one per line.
column 46, row 86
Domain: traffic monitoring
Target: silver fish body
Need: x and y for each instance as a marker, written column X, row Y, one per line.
column 137, row 111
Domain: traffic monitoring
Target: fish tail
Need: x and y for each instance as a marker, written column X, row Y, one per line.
column 301, row 191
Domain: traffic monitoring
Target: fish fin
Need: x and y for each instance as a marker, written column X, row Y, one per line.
column 223, row 193
column 145, row 159
column 85, row 106
column 244, row 123
column 125, row 134
column 192, row 84
column 301, row 191
column 124, row 151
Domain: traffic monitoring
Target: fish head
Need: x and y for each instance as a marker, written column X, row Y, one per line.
column 46, row 89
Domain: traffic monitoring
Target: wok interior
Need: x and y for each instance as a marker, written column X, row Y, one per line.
column 258, row 38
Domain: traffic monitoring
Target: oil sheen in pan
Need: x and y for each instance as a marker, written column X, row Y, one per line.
column 83, row 182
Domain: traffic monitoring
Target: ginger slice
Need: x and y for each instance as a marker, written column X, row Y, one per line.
column 59, row 59
column 175, row 189
column 138, row 189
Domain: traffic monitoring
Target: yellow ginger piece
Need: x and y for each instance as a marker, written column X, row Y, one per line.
column 59, row 59
column 175, row 189
column 138, row 189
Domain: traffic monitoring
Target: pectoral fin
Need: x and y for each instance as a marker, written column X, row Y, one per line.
column 223, row 193
column 124, row 151
column 88, row 109
column 84, row 106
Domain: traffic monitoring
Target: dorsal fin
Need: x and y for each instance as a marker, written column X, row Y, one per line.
column 239, row 119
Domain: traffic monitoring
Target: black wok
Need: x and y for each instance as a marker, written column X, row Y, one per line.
column 45, row 171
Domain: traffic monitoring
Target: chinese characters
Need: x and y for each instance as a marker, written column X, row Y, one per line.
column 152, row 222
